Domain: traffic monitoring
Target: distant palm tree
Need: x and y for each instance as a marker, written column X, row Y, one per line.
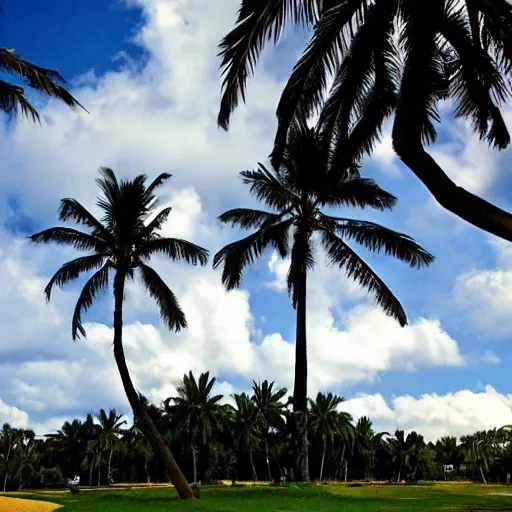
column 46, row 81
column 324, row 421
column 195, row 413
column 109, row 436
column 271, row 410
column 122, row 243
column 297, row 191
column 387, row 57
column 449, row 452
column 246, row 427
column 405, row 450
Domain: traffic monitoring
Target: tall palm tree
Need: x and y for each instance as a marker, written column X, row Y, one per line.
column 195, row 413
column 109, row 435
column 271, row 410
column 324, row 421
column 387, row 56
column 121, row 243
column 246, row 427
column 297, row 191
column 449, row 452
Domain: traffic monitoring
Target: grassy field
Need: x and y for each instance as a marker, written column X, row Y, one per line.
column 439, row 497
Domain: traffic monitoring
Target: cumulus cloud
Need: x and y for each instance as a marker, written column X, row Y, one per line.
column 459, row 413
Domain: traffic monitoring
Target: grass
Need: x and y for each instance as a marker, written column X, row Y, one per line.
column 373, row 498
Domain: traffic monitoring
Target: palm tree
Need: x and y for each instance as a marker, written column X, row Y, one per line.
column 195, row 413
column 386, row 56
column 324, row 420
column 246, row 427
column 406, row 451
column 46, row 81
column 271, row 411
column 297, row 191
column 449, row 452
column 109, row 435
column 122, row 243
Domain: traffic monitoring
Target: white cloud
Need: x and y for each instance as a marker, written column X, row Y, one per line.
column 491, row 358
column 432, row 415
column 12, row 415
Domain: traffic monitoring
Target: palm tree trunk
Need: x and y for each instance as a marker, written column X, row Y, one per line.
column 254, row 474
column 399, row 472
column 343, row 456
column 323, row 460
column 109, row 472
column 346, row 469
column 91, row 467
column 144, row 422
column 194, row 463
column 268, row 460
column 300, row 389
column 455, row 199
column 99, row 475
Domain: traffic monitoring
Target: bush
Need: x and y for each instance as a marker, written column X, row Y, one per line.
column 50, row 478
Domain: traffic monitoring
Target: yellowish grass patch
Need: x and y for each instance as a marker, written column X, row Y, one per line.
column 20, row 505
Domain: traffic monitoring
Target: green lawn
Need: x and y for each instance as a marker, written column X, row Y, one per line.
column 438, row 497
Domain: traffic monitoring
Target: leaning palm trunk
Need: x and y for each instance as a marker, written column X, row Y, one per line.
column 323, row 460
column 301, row 381
column 143, row 420
column 254, row 474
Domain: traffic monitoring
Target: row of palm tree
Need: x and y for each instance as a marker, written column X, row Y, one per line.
column 211, row 431
column 299, row 192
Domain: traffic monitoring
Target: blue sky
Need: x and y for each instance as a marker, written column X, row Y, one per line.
column 148, row 74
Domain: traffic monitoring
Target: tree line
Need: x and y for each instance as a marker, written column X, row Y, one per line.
column 245, row 437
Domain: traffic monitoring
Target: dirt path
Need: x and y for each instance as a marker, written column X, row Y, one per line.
column 19, row 505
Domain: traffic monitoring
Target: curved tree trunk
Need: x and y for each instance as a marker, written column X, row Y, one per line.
column 144, row 422
column 300, row 389
column 455, row 199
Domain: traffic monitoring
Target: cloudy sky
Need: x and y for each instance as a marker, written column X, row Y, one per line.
column 147, row 72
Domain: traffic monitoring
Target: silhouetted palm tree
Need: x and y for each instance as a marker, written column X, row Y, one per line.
column 195, row 414
column 246, row 427
column 109, row 435
column 387, row 56
column 271, row 410
column 324, row 421
column 121, row 244
column 406, row 451
column 297, row 191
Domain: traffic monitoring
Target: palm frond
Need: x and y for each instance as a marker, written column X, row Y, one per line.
column 425, row 76
column 475, row 81
column 72, row 270
column 13, row 101
column 304, row 92
column 156, row 223
column 94, row 286
column 68, row 236
column 39, row 78
column 354, row 79
column 71, row 209
column 359, row 192
column 377, row 238
column 258, row 22
column 238, row 255
column 170, row 309
column 268, row 188
column 246, row 218
column 341, row 255
column 175, row 249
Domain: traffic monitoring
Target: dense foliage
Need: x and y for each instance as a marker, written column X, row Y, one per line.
column 233, row 437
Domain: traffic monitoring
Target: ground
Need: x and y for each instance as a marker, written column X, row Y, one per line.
column 426, row 497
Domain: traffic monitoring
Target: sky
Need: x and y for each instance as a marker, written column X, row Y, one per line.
column 147, row 72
